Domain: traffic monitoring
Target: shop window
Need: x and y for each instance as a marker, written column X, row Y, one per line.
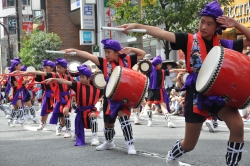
column 26, row 2
column 10, row 23
column 8, row 3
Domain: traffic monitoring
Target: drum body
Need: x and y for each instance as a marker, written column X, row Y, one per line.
column 184, row 77
column 225, row 73
column 72, row 68
column 98, row 80
column 128, row 86
column 144, row 66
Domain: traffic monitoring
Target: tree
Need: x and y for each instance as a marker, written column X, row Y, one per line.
column 33, row 48
column 177, row 15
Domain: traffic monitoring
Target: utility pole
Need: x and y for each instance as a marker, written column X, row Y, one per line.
column 139, row 39
column 8, row 40
column 19, row 22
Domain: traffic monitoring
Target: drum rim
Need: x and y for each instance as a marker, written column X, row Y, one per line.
column 246, row 104
column 70, row 71
column 116, row 83
column 144, row 61
column 93, row 76
column 214, row 74
column 144, row 94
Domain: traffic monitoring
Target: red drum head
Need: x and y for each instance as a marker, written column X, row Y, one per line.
column 225, row 73
column 98, row 80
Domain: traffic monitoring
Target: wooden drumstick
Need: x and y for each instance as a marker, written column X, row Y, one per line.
column 59, row 52
column 122, row 29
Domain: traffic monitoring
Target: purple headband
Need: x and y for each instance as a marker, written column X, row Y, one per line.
column 62, row 62
column 157, row 60
column 48, row 63
column 14, row 63
column 213, row 10
column 111, row 44
column 84, row 70
column 24, row 68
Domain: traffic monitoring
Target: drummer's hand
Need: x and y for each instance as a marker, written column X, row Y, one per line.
column 49, row 80
column 24, row 73
column 126, row 50
column 16, row 72
column 226, row 21
column 68, row 51
column 127, row 27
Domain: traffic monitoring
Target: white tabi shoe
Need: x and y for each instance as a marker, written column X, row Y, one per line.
column 171, row 125
column 95, row 140
column 210, row 126
column 105, row 146
column 58, row 130
column 150, row 123
column 131, row 149
column 41, row 126
column 170, row 161
column 67, row 134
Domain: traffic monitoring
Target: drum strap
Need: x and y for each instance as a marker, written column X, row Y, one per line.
column 126, row 62
column 162, row 78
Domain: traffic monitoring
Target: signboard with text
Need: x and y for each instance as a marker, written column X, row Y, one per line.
column 88, row 17
column 87, row 37
column 74, row 4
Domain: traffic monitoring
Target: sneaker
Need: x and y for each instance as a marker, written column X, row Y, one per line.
column 94, row 141
column 171, row 125
column 58, row 130
column 17, row 121
column 41, row 126
column 10, row 123
column 170, row 161
column 105, row 146
column 210, row 126
column 74, row 137
column 150, row 123
column 131, row 149
column 34, row 120
column 137, row 121
column 67, row 134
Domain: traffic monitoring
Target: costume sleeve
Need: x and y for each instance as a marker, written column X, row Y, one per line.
column 74, row 86
column 238, row 45
column 133, row 58
column 39, row 78
column 180, row 42
column 100, row 59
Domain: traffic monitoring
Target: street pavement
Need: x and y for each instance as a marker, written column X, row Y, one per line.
column 24, row 146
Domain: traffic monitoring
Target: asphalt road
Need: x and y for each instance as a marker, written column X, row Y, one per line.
column 24, row 146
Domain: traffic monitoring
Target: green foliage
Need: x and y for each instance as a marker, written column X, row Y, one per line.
column 173, row 15
column 33, row 48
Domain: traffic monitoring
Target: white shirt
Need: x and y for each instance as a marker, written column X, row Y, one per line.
column 168, row 80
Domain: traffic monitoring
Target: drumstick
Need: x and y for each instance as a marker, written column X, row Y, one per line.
column 43, row 82
column 122, row 29
column 10, row 74
column 59, row 52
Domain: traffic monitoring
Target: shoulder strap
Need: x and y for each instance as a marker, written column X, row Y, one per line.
column 129, row 61
column 189, row 49
column 163, row 76
column 78, row 85
column 105, row 72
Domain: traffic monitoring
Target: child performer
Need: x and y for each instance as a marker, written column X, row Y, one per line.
column 196, row 48
column 62, row 105
column 115, row 55
column 86, row 98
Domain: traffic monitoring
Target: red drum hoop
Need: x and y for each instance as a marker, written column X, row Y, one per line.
column 127, row 85
column 72, row 68
column 98, row 80
column 225, row 73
